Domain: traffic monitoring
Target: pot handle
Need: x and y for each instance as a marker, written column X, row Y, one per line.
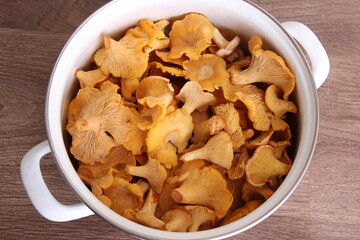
column 38, row 192
column 314, row 49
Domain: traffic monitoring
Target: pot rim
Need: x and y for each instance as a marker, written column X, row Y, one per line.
column 196, row 235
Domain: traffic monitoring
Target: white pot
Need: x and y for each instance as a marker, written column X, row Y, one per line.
column 245, row 19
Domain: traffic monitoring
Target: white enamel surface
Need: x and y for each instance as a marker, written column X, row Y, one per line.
column 314, row 49
column 39, row 194
column 241, row 17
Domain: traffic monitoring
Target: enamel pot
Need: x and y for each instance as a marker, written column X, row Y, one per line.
column 245, row 19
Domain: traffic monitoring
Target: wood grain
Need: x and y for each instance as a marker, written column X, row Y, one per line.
column 326, row 205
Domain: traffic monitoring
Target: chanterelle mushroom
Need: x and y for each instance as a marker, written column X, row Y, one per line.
column 263, row 165
column 266, row 67
column 217, row 150
column 225, row 47
column 209, row 71
column 124, row 195
column 146, row 215
column 176, row 128
column 190, row 36
column 153, row 171
column 123, row 58
column 241, row 212
column 177, row 220
column 199, row 215
column 232, row 123
column 277, row 105
column 97, row 122
column 193, row 97
column 90, row 78
column 205, row 186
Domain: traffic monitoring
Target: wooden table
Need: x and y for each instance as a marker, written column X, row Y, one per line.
column 324, row 206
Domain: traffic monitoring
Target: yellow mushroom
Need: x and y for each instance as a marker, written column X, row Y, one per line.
column 237, row 169
column 177, row 128
column 232, row 123
column 135, row 137
column 123, row 58
column 156, row 93
column 153, row 32
column 166, row 155
column 266, row 67
column 263, row 165
column 262, row 139
column 164, row 56
column 199, row 215
column 225, row 47
column 174, row 71
column 190, row 36
column 90, row 78
column 250, row 192
column 97, row 122
column 146, row 215
column 101, row 183
column 117, row 158
column 279, row 147
column 153, row 171
column 193, row 97
column 177, row 220
column 276, row 104
column 241, row 212
column 128, row 87
column 217, row 150
column 203, row 130
column 124, row 195
column 208, row 70
column 260, row 115
column 206, row 187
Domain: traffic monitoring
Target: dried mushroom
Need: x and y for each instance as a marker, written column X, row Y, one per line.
column 266, row 67
column 97, row 121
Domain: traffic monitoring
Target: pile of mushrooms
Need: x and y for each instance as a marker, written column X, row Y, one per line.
column 176, row 129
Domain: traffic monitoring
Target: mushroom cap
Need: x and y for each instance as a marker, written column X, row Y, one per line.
column 217, row 150
column 225, row 47
column 128, row 87
column 241, row 212
column 166, row 155
column 190, row 36
column 207, row 187
column 117, row 158
column 199, row 215
column 209, row 71
column 164, row 56
column 260, row 115
column 250, row 192
column 262, row 139
column 123, row 58
column 154, row 90
column 263, row 165
column 174, row 71
column 276, row 104
column 123, row 194
column 193, row 97
column 266, row 67
column 146, row 215
column 177, row 128
column 153, row 171
column 90, row 78
column 177, row 220
column 135, row 137
column 97, row 122
column 237, row 169
column 232, row 123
